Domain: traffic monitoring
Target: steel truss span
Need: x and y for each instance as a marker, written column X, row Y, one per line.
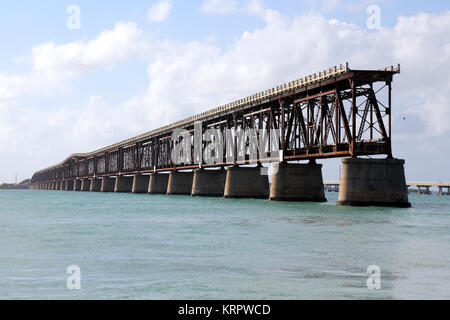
column 338, row 112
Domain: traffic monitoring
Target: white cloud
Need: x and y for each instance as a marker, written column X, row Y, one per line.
column 159, row 12
column 53, row 65
column 255, row 7
column 189, row 77
column 219, row 6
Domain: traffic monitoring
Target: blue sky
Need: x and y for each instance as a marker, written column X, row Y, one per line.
column 64, row 91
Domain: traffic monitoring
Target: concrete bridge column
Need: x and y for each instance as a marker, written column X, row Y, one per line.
column 61, row 185
column 158, row 183
column 246, row 182
column 96, row 185
column 53, row 185
column 85, row 185
column 123, row 184
column 69, row 185
column 298, row 182
column 108, row 184
column 373, row 182
column 180, row 183
column 77, row 185
column 208, row 183
column 140, row 183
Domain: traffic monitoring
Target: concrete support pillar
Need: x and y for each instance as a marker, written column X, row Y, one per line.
column 53, row 185
column 180, row 183
column 62, row 185
column 96, row 185
column 158, row 183
column 108, row 184
column 298, row 182
column 208, row 183
column 47, row 186
column 77, row 185
column 140, row 183
column 373, row 182
column 85, row 185
column 69, row 185
column 123, row 184
column 247, row 182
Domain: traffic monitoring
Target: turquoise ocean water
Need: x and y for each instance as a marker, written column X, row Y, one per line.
column 177, row 247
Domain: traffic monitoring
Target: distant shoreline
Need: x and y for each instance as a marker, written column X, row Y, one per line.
column 19, row 186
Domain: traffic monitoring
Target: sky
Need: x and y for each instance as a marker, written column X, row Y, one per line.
column 79, row 75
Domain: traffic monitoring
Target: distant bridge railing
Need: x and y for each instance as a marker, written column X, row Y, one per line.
column 422, row 187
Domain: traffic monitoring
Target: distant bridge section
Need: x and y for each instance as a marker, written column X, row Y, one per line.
column 422, row 187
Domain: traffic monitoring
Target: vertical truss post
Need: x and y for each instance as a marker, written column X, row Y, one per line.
column 354, row 111
column 389, row 142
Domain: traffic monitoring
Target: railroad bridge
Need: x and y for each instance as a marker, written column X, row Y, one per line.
column 337, row 112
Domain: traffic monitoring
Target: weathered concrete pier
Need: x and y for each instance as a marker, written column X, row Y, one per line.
column 246, row 182
column 298, row 182
column 208, row 183
column 180, row 183
column 224, row 152
column 140, row 183
column 108, row 184
column 373, row 182
column 158, row 183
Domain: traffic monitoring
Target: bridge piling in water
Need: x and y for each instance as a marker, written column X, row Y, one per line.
column 77, row 185
column 180, row 183
column 96, row 185
column 158, row 183
column 298, row 182
column 108, row 184
column 140, row 183
column 69, row 185
column 373, row 182
column 208, row 183
column 123, row 184
column 85, row 185
column 247, row 182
